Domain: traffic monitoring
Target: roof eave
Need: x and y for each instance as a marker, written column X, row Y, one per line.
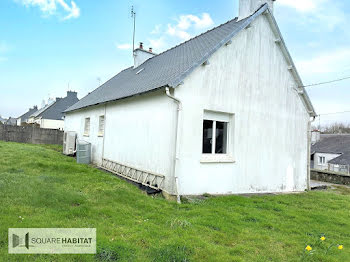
column 114, row 100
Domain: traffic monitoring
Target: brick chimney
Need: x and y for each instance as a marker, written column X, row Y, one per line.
column 248, row 7
column 141, row 55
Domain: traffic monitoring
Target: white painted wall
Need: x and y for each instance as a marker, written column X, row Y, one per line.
column 48, row 123
column 75, row 122
column 139, row 132
column 328, row 157
column 249, row 79
column 52, row 124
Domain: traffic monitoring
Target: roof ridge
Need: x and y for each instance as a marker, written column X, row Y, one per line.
column 198, row 36
column 182, row 43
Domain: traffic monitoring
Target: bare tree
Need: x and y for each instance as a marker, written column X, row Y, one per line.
column 334, row 128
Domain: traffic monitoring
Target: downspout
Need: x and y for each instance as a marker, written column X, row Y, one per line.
column 309, row 151
column 176, row 158
column 104, row 135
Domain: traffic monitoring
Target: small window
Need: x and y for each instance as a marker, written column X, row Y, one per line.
column 214, row 137
column 101, row 126
column 322, row 160
column 87, row 127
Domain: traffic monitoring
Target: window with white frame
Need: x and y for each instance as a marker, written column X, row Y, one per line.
column 322, row 160
column 87, row 127
column 217, row 136
column 101, row 125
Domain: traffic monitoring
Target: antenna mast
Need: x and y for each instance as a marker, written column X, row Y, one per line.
column 133, row 15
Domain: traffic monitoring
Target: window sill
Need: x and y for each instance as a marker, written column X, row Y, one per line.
column 217, row 159
column 86, row 135
column 100, row 135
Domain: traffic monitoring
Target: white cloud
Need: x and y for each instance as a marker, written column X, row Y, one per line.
column 187, row 22
column 156, row 30
column 335, row 61
column 73, row 11
column 124, row 46
column 184, row 27
column 51, row 7
column 316, row 14
column 302, row 5
column 157, row 44
column 175, row 31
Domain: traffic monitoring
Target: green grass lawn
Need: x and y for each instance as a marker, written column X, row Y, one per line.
column 49, row 189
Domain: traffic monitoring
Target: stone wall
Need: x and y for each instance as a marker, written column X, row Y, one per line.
column 330, row 176
column 31, row 135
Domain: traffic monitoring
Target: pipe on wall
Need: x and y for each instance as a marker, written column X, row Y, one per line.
column 176, row 158
column 104, row 134
column 309, row 150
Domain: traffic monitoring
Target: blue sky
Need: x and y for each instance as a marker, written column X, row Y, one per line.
column 48, row 45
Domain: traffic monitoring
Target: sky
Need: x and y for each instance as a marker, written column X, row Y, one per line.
column 50, row 46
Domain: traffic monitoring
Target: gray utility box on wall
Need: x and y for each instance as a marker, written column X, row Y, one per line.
column 83, row 152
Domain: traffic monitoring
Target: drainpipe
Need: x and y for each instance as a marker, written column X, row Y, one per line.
column 308, row 151
column 104, row 135
column 176, row 158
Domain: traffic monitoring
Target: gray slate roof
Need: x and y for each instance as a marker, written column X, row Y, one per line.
column 11, row 121
column 334, row 144
column 55, row 109
column 168, row 68
column 26, row 115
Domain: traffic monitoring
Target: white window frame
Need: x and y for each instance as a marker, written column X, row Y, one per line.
column 87, row 124
column 320, row 158
column 101, row 127
column 213, row 157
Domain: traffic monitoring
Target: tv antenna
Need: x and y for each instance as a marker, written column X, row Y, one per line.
column 133, row 15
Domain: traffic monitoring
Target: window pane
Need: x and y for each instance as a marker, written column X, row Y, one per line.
column 221, row 138
column 207, row 136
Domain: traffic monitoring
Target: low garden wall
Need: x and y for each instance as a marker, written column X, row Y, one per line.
column 31, row 135
column 330, row 176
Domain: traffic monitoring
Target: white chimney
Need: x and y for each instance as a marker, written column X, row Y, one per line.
column 315, row 136
column 141, row 55
column 248, row 7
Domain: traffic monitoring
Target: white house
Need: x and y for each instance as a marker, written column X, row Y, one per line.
column 24, row 118
column 222, row 113
column 331, row 152
column 51, row 116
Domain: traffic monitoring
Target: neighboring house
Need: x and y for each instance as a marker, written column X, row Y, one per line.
column 51, row 116
column 224, row 112
column 331, row 152
column 24, row 118
column 2, row 120
column 11, row 121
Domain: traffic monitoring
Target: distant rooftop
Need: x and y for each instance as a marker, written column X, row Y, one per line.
column 334, row 144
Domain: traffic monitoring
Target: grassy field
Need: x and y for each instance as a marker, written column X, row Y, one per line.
column 48, row 189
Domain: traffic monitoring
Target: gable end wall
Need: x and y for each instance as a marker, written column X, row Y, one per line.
column 250, row 79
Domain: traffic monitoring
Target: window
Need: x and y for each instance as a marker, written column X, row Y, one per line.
column 87, row 127
column 216, row 140
column 214, row 137
column 322, row 160
column 101, row 126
